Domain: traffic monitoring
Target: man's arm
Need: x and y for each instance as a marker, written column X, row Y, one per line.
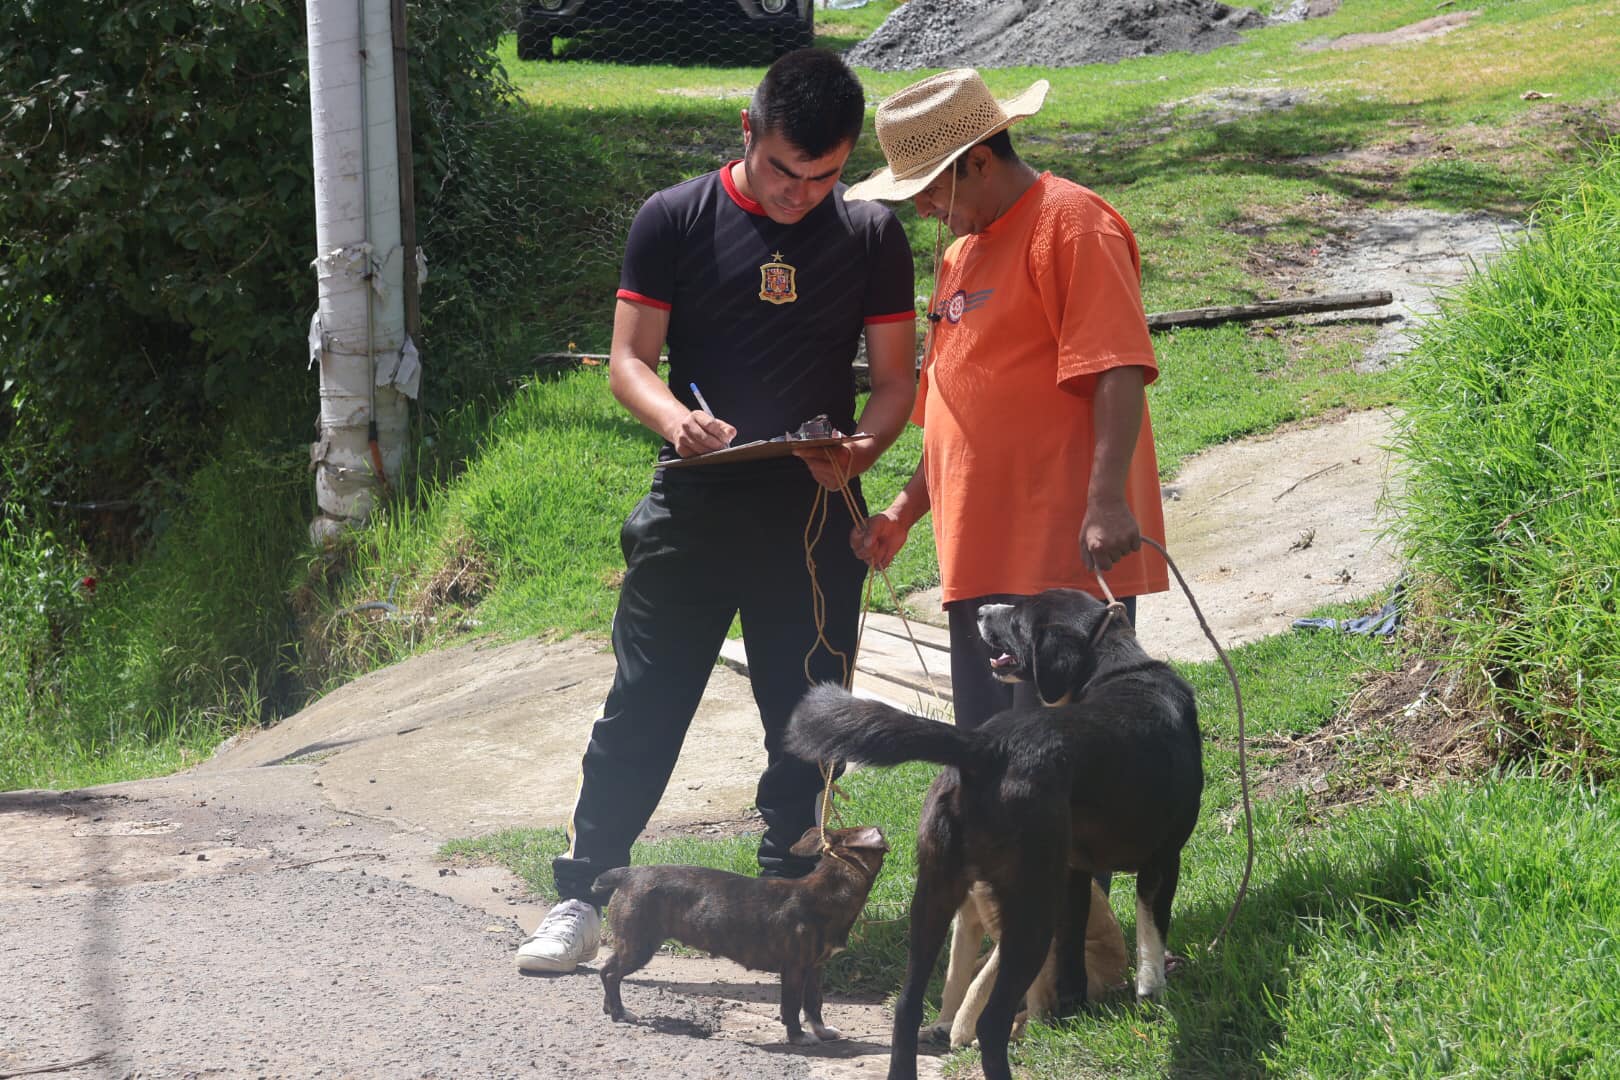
column 1109, row 531
column 891, row 358
column 638, row 336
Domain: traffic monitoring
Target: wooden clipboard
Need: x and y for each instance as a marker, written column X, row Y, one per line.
column 759, row 450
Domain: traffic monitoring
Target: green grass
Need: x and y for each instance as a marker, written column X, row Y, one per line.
column 1460, row 933
column 165, row 657
column 1453, row 935
column 1509, row 512
column 839, row 30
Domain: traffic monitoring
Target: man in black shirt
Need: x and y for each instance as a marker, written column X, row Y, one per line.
column 760, row 279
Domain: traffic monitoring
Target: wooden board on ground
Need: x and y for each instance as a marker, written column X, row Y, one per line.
column 926, row 634
column 896, row 659
column 885, row 678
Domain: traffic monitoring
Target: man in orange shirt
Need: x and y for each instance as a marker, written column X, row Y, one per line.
column 1038, row 460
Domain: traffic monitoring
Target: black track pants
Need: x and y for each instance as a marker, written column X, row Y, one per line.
column 698, row 552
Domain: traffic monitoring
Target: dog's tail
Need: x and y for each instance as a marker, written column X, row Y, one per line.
column 831, row 724
column 606, row 882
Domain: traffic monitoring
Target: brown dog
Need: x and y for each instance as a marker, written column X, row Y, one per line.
column 787, row 926
column 968, row 982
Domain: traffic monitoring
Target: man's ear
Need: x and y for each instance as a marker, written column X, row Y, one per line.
column 979, row 159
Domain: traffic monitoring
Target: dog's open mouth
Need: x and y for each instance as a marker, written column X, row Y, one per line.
column 1004, row 662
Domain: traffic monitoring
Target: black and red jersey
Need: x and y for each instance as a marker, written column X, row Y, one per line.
column 765, row 318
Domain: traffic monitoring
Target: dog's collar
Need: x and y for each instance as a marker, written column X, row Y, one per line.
column 1115, row 610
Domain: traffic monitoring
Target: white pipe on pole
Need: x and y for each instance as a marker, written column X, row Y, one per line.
column 358, row 333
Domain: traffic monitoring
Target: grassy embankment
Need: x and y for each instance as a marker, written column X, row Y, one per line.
column 1213, row 204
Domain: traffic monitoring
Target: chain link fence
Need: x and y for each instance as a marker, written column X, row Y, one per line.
column 610, row 101
column 662, row 31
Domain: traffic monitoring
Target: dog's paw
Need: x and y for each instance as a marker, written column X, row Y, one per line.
column 938, row 1033
column 825, row 1033
column 1020, row 1022
column 803, row 1038
column 625, row 1016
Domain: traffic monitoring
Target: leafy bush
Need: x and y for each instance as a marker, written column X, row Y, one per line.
column 158, row 224
column 1515, row 474
column 155, row 238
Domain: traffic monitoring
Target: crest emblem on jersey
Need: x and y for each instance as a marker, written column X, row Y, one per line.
column 778, row 283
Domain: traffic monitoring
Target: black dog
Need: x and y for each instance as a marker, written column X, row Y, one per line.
column 1108, row 777
column 767, row 924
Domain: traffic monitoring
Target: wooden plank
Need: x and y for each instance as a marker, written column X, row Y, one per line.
column 1264, row 309
column 884, row 677
column 928, row 636
column 734, row 655
column 900, row 697
column 895, row 659
column 1267, row 309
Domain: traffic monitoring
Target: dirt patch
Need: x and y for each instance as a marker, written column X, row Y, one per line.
column 1416, row 254
column 709, row 93
column 1402, row 731
column 1049, row 33
column 1267, row 529
column 1231, row 103
column 1418, row 31
column 482, row 737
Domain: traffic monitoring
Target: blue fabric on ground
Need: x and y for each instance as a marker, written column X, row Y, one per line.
column 1381, row 624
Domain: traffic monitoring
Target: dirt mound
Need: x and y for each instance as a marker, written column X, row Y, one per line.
column 1047, row 33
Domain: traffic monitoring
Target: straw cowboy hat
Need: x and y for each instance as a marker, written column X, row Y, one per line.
column 929, row 124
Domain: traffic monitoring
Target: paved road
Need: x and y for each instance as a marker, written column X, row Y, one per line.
column 235, row 924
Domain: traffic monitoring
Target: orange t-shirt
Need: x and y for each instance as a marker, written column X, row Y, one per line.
column 1033, row 309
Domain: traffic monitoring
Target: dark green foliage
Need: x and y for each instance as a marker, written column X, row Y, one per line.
column 156, row 231
column 158, row 223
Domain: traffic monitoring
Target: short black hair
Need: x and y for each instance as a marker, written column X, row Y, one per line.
column 812, row 99
column 1000, row 144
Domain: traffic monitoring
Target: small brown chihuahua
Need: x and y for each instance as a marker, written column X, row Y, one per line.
column 768, row 924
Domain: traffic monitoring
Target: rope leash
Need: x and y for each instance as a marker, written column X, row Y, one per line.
column 1237, row 694
column 815, row 526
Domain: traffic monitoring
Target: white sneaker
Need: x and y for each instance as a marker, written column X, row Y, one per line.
column 569, row 935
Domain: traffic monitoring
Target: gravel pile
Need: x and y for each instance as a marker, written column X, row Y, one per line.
column 1046, row 33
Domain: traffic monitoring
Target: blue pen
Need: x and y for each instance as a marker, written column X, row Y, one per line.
column 699, row 395
column 704, row 404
